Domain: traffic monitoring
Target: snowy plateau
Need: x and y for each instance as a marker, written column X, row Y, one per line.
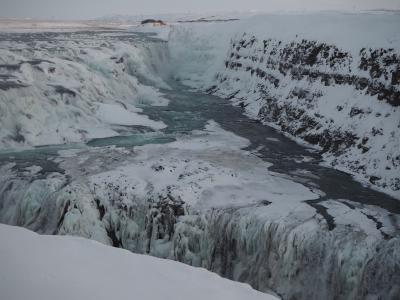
column 264, row 149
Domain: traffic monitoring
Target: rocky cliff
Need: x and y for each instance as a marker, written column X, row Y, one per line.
column 345, row 103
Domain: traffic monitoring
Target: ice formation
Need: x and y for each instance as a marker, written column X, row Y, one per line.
column 73, row 87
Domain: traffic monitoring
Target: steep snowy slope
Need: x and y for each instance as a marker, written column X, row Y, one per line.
column 63, row 87
column 49, row 267
column 329, row 79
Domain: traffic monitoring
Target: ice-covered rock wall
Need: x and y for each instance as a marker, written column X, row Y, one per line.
column 331, row 80
column 60, row 87
column 348, row 105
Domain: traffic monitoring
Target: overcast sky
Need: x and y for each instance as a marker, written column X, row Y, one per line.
column 85, row 9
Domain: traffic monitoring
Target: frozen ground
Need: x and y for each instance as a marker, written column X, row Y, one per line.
column 75, row 268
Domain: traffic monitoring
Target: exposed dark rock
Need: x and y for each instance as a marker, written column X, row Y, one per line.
column 7, row 85
column 162, row 217
column 355, row 111
column 63, row 90
column 65, row 210
column 153, row 21
column 298, row 59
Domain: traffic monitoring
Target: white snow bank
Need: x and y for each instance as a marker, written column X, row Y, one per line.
column 54, row 267
column 117, row 115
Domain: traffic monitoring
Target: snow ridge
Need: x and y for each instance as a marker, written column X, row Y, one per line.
column 74, row 268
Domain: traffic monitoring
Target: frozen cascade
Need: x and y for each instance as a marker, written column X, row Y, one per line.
column 78, row 83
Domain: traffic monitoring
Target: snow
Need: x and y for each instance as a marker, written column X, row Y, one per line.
column 34, row 25
column 206, row 170
column 57, row 267
column 117, row 115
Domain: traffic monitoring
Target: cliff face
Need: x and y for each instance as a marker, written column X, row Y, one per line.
column 346, row 102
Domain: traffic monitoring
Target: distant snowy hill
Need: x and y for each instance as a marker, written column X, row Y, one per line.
column 53, row 267
column 176, row 17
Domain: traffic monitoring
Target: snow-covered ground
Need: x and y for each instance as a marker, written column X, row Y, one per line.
column 35, row 25
column 53, row 267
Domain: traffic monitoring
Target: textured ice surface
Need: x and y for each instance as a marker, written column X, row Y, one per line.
column 59, row 88
column 117, row 115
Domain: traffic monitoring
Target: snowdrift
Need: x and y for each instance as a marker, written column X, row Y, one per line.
column 53, row 267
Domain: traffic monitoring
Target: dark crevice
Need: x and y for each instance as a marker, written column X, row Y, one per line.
column 116, row 242
column 66, row 207
column 323, row 211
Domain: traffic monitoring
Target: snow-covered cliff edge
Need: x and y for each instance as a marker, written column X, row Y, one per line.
column 75, row 268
